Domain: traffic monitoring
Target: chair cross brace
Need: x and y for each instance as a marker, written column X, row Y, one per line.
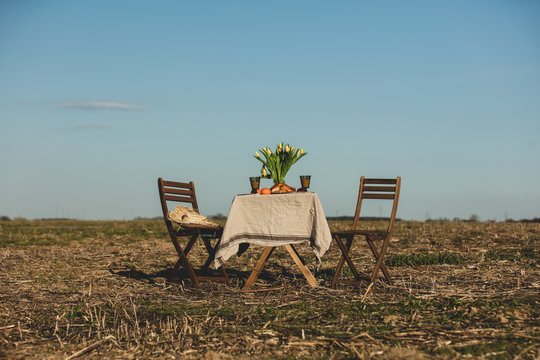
column 183, row 260
column 345, row 257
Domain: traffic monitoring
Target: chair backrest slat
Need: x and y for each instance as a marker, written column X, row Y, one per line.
column 380, row 181
column 378, row 196
column 176, row 184
column 386, row 189
column 178, row 192
column 380, row 188
column 179, row 198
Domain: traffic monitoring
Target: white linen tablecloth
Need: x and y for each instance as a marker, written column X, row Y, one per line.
column 274, row 220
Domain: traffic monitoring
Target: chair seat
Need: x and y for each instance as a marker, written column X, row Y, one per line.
column 201, row 226
column 373, row 234
column 206, row 232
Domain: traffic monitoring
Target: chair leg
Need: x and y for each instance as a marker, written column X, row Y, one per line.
column 183, row 256
column 303, row 268
column 353, row 268
column 379, row 257
column 211, row 256
column 225, row 275
column 190, row 243
column 185, row 262
column 211, row 253
column 344, row 257
column 339, row 266
column 258, row 267
column 207, row 244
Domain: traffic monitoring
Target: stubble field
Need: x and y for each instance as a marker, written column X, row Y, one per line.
column 98, row 289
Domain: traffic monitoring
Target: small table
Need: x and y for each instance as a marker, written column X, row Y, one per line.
column 275, row 220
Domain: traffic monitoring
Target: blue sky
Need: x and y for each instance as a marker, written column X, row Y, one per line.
column 98, row 99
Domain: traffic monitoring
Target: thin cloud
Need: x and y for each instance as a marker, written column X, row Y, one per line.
column 99, row 106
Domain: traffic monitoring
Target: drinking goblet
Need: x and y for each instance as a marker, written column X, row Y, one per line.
column 304, row 181
column 255, row 182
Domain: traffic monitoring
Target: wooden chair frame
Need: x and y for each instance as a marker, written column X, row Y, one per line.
column 172, row 191
column 384, row 189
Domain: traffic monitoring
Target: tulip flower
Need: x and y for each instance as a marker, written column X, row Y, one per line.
column 276, row 165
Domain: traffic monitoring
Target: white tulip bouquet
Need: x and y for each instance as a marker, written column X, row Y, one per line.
column 277, row 164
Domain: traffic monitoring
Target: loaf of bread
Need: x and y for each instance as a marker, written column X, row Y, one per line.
column 282, row 189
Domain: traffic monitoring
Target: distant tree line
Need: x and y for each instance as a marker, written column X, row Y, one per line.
column 362, row 218
column 534, row 220
column 475, row 218
column 219, row 216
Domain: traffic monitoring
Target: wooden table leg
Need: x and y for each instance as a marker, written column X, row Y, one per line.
column 258, row 267
column 303, row 268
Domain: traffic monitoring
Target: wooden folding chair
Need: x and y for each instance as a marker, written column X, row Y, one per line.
column 385, row 189
column 171, row 191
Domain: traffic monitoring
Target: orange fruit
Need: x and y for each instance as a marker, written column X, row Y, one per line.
column 265, row 191
column 258, row 191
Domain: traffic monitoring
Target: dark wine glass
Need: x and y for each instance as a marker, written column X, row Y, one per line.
column 255, row 182
column 304, row 182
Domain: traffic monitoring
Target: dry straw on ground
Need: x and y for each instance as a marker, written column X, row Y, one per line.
column 77, row 289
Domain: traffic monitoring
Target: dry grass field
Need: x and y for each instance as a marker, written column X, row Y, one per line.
column 97, row 289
